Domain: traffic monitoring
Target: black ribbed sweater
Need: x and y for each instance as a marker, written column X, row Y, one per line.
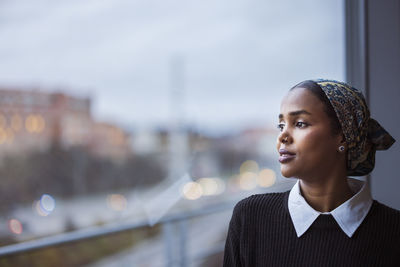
column 261, row 233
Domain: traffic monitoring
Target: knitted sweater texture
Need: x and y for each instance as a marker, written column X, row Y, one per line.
column 261, row 233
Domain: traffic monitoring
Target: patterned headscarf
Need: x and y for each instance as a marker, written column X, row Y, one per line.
column 363, row 134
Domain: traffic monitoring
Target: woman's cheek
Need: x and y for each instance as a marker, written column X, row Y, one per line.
column 312, row 138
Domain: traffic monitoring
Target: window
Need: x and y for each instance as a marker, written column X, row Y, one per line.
column 142, row 108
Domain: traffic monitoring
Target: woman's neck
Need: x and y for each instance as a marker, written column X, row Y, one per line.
column 327, row 195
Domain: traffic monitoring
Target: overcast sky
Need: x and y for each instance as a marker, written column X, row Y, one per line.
column 239, row 57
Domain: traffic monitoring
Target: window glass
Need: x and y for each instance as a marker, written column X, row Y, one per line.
column 127, row 111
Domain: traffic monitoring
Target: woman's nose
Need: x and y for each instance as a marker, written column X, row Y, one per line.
column 283, row 140
column 284, row 137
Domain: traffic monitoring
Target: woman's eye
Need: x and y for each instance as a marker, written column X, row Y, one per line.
column 280, row 126
column 301, row 124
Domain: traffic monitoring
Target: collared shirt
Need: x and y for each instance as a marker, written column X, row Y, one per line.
column 349, row 215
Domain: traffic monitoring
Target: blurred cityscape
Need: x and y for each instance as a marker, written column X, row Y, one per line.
column 62, row 170
column 36, row 121
column 116, row 113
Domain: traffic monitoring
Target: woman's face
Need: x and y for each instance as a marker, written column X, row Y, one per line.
column 307, row 147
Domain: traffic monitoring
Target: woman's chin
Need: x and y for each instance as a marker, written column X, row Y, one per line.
column 286, row 172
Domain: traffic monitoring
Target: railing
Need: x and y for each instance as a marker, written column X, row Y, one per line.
column 174, row 258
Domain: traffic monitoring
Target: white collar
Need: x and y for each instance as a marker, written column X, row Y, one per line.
column 348, row 215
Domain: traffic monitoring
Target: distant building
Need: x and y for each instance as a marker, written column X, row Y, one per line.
column 34, row 120
column 109, row 141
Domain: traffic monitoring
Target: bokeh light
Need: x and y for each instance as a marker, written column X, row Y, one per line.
column 192, row 190
column 212, row 186
column 38, row 209
column 15, row 226
column 117, row 202
column 35, row 123
column 248, row 180
column 249, row 166
column 266, row 178
column 45, row 205
column 208, row 185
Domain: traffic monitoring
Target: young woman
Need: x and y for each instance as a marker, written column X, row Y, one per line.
column 326, row 219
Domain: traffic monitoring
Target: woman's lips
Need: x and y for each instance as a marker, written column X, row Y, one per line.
column 286, row 156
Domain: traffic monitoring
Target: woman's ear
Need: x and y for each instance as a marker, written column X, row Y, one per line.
column 340, row 139
column 343, row 140
column 342, row 145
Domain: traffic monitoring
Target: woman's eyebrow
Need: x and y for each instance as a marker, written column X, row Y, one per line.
column 296, row 113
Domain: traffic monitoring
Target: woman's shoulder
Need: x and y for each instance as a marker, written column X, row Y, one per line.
column 385, row 215
column 386, row 210
column 262, row 201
